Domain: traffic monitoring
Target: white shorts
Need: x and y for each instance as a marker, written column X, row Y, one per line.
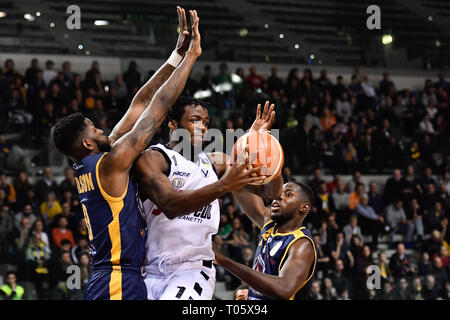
column 184, row 283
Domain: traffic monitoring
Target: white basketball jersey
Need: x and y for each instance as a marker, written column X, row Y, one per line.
column 189, row 237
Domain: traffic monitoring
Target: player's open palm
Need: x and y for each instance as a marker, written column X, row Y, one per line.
column 195, row 47
column 265, row 121
column 184, row 38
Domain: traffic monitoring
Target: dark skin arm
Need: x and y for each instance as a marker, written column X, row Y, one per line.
column 145, row 94
column 115, row 166
column 155, row 185
column 291, row 278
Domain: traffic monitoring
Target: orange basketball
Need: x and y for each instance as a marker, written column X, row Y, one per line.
column 270, row 153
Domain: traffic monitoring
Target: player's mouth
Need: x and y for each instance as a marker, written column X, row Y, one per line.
column 275, row 206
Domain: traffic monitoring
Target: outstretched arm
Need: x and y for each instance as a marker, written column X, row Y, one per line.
column 145, row 94
column 291, row 278
column 155, row 185
column 115, row 166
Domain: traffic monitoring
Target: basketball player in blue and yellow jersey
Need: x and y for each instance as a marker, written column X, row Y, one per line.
column 117, row 230
column 285, row 259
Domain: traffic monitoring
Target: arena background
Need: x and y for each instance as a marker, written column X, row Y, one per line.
column 394, row 115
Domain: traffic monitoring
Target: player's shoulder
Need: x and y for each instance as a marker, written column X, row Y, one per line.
column 153, row 157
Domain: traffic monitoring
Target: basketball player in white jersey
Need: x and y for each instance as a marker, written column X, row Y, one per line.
column 179, row 261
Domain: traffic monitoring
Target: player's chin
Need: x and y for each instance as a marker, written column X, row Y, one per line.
column 275, row 213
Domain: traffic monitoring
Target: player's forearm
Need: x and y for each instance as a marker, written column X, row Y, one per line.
column 271, row 286
column 161, row 103
column 141, row 101
column 175, row 204
column 269, row 191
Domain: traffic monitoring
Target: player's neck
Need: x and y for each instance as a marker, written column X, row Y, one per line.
column 288, row 226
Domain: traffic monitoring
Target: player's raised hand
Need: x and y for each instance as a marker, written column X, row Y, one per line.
column 240, row 173
column 195, row 47
column 184, row 37
column 265, row 121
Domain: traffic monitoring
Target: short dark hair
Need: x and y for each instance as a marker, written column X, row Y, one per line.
column 307, row 191
column 67, row 130
column 178, row 109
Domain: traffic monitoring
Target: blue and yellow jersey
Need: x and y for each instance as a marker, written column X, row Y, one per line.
column 272, row 252
column 116, row 227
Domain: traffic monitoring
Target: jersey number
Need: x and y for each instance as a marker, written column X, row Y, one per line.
column 88, row 223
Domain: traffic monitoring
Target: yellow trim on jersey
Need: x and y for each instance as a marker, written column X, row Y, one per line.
column 104, row 194
column 114, row 231
column 115, row 284
column 116, row 205
column 265, row 224
column 298, row 234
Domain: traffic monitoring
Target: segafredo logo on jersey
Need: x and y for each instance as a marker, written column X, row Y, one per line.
column 178, row 183
column 213, row 140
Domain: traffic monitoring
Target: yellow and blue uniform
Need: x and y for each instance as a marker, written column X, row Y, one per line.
column 272, row 252
column 117, row 233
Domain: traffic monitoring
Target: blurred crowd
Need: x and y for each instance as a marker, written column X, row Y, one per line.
column 328, row 127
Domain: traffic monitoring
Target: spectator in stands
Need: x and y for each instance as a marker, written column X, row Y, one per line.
column 61, row 232
column 132, row 77
column 313, row 118
column 425, row 267
column 323, row 256
column 399, row 262
column 430, row 291
column 385, row 84
column 81, row 230
column 396, row 218
column 328, row 291
column 439, row 272
column 352, row 229
column 11, row 290
column 27, row 211
column 338, row 278
column 223, row 76
column 38, row 255
column 80, row 248
column 341, row 201
column 50, row 208
column 324, row 202
column 31, row 72
column 340, row 250
column 68, row 214
column 241, row 293
column 402, row 291
column 327, row 120
column 58, row 274
column 385, row 270
column 393, row 188
column 355, row 197
column 275, row 82
column 343, row 106
column 426, row 125
column 316, row 181
column 8, row 188
column 356, row 179
column 314, row 293
column 6, row 229
column 49, row 74
column 372, row 223
column 22, row 234
column 38, row 227
column 22, row 185
column 46, row 185
column 68, row 184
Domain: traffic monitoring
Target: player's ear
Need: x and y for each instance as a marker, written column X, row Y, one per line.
column 173, row 125
column 88, row 144
column 304, row 208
